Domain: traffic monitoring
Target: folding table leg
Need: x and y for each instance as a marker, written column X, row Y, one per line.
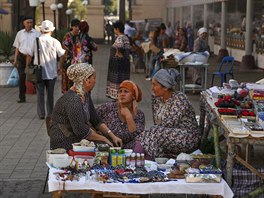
column 216, row 145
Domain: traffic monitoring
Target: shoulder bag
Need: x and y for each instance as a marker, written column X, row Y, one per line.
column 34, row 72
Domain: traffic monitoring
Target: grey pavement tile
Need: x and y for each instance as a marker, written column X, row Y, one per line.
column 17, row 175
column 28, row 159
column 5, row 176
column 6, row 170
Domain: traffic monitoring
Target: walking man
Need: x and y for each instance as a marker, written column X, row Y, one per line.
column 24, row 40
column 49, row 49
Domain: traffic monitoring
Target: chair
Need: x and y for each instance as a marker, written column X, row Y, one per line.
column 225, row 68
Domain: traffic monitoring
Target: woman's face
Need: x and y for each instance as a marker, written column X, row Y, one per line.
column 116, row 31
column 125, row 96
column 89, row 83
column 75, row 30
column 158, row 89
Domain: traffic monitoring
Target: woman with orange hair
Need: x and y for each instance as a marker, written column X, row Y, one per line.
column 123, row 117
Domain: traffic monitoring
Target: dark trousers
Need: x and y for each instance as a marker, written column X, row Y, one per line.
column 49, row 85
column 22, row 76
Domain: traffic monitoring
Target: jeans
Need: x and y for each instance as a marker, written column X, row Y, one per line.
column 22, row 76
column 49, row 85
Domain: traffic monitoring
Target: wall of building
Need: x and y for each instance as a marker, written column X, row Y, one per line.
column 5, row 19
column 143, row 9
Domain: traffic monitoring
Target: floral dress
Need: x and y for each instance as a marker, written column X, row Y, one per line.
column 71, row 43
column 88, row 46
column 108, row 112
column 119, row 65
column 175, row 128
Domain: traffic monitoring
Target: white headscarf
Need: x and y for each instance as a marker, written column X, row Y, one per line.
column 202, row 30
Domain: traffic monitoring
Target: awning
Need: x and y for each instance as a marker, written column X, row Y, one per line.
column 181, row 3
column 3, row 11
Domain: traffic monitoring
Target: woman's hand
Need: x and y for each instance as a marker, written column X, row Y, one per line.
column 108, row 142
column 117, row 141
column 125, row 112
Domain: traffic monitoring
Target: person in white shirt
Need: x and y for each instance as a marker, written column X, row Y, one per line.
column 24, row 39
column 49, row 49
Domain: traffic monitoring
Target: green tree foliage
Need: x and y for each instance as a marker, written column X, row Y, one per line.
column 79, row 9
column 110, row 7
column 6, row 46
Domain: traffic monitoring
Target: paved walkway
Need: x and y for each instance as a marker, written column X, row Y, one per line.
column 24, row 140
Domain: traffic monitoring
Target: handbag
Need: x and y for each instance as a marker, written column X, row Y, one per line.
column 34, row 72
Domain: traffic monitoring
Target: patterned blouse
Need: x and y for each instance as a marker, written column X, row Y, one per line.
column 69, row 112
column 88, row 46
column 108, row 112
column 71, row 43
column 175, row 127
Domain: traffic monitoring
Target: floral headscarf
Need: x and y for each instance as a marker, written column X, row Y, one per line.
column 77, row 73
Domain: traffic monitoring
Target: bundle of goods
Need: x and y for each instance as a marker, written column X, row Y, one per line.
column 169, row 62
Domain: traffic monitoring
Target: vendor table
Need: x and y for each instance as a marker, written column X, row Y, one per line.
column 184, row 86
column 208, row 107
column 172, row 187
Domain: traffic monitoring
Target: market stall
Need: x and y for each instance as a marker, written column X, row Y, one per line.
column 238, row 111
column 116, row 170
column 172, row 187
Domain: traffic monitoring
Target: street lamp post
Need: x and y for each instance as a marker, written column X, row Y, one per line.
column 59, row 7
column 34, row 4
column 68, row 13
column 43, row 8
column 53, row 7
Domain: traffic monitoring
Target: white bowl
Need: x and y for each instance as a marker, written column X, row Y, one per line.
column 50, row 156
column 161, row 160
column 62, row 162
column 78, row 148
column 128, row 152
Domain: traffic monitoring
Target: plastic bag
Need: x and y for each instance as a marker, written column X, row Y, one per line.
column 13, row 78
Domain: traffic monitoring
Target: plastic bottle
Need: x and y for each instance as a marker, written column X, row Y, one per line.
column 113, row 158
column 133, row 159
column 123, row 157
column 138, row 161
column 142, row 159
column 119, row 157
column 128, row 160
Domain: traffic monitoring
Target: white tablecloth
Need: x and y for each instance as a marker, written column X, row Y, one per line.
column 174, row 187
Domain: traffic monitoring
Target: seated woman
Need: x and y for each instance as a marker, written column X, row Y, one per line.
column 74, row 114
column 176, row 129
column 180, row 42
column 122, row 116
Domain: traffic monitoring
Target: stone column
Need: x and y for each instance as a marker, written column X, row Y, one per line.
column 205, row 15
column 95, row 19
column 181, row 16
column 223, row 51
column 248, row 61
column 192, row 16
column 173, row 18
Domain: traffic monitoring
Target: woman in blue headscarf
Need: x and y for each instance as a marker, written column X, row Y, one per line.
column 175, row 127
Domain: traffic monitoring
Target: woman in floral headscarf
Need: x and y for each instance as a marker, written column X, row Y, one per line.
column 122, row 116
column 74, row 117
